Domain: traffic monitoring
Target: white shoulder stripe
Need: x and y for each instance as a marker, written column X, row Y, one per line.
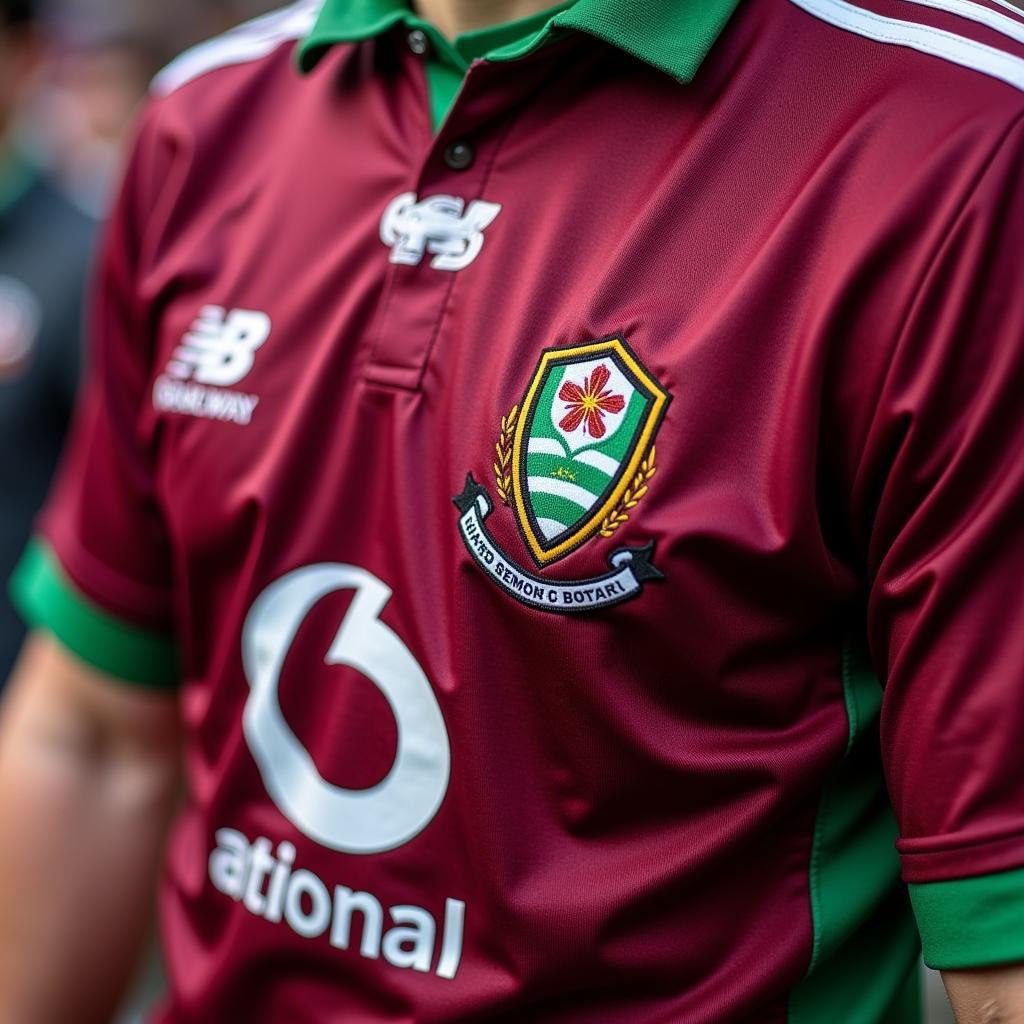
column 1010, row 6
column 248, row 42
column 975, row 12
column 923, row 38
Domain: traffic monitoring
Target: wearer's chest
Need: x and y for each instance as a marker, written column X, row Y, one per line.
column 590, row 365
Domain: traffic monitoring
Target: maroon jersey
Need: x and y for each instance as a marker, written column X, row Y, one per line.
column 530, row 504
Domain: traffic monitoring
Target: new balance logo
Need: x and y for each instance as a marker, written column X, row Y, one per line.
column 219, row 350
column 221, row 347
column 436, row 225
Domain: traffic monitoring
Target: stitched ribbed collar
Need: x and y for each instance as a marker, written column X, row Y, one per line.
column 671, row 35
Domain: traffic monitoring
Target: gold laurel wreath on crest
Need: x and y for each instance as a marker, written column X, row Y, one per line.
column 630, row 496
column 503, row 450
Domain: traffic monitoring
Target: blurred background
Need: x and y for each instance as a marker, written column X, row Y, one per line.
column 72, row 75
column 95, row 60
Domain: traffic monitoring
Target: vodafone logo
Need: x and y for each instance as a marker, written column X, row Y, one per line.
column 269, row 882
column 399, row 807
column 218, row 350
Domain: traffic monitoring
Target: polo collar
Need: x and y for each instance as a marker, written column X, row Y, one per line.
column 673, row 36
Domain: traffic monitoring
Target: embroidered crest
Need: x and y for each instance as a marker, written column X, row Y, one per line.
column 573, row 460
column 587, row 421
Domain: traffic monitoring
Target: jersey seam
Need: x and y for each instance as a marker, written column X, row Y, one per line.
column 815, row 886
column 821, row 820
column 72, row 556
column 967, row 878
column 953, row 848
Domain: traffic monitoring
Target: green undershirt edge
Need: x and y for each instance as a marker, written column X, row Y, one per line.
column 46, row 598
column 866, row 942
column 449, row 60
column 866, row 952
column 671, row 36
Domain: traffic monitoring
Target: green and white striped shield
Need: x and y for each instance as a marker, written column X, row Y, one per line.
column 589, row 416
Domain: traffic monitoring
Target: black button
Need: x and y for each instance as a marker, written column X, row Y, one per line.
column 418, row 42
column 459, row 155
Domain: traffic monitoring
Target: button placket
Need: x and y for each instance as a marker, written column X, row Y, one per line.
column 418, row 285
column 453, row 177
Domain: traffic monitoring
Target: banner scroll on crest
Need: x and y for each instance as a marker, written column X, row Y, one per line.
column 631, row 567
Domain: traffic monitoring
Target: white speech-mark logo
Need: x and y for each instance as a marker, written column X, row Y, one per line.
column 399, row 807
column 436, row 225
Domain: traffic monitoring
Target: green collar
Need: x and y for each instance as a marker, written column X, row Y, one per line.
column 672, row 35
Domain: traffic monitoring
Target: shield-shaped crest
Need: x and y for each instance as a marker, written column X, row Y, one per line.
column 589, row 416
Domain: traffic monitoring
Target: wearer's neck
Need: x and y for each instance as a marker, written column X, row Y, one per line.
column 453, row 17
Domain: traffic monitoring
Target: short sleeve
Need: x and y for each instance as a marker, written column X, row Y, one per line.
column 98, row 573
column 945, row 458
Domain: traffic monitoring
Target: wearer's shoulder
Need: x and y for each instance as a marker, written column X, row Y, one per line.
column 250, row 48
column 209, row 116
column 938, row 62
column 918, row 105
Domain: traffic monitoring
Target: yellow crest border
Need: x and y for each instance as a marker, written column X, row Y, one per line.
column 652, row 421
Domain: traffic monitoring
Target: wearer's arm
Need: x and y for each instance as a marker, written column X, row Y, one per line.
column 89, row 771
column 942, row 488
column 992, row 995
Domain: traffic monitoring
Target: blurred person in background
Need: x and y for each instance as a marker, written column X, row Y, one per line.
column 99, row 60
column 45, row 242
column 72, row 75
column 84, row 103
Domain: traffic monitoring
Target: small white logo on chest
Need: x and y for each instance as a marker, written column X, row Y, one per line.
column 436, row 225
column 219, row 350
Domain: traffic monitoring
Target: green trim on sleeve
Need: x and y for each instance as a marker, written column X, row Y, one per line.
column 971, row 922
column 46, row 598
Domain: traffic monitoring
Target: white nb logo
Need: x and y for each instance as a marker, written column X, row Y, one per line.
column 436, row 225
column 220, row 347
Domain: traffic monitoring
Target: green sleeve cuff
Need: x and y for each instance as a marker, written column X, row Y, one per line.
column 45, row 597
column 971, row 922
